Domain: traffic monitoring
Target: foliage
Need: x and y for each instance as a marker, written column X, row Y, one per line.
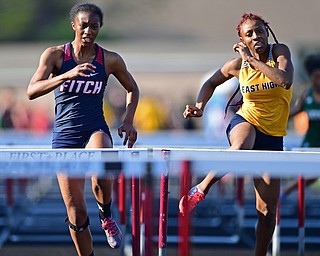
column 39, row 20
column 34, row 20
column 16, row 18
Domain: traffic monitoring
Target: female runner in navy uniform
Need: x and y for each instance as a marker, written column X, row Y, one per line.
column 77, row 72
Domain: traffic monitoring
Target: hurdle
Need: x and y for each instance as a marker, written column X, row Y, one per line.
column 301, row 215
column 163, row 211
column 184, row 220
column 34, row 162
column 274, row 164
column 277, row 157
column 301, row 203
column 241, row 162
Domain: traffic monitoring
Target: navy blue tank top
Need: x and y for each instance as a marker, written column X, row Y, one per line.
column 79, row 102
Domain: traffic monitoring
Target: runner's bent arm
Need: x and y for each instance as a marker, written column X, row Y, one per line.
column 229, row 70
column 40, row 83
column 116, row 66
column 282, row 74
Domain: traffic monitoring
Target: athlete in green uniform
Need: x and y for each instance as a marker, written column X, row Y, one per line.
column 309, row 102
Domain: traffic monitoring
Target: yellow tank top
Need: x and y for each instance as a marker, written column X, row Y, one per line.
column 265, row 104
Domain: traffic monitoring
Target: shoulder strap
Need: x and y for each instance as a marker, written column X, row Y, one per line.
column 67, row 52
column 99, row 56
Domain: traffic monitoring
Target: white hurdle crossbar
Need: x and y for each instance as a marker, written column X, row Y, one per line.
column 80, row 161
column 36, row 162
column 248, row 162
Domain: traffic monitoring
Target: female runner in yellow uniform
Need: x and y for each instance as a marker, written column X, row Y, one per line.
column 265, row 74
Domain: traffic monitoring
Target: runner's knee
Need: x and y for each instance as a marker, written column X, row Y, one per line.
column 77, row 216
column 78, row 228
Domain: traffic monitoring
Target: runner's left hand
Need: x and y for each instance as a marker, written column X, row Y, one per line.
column 130, row 134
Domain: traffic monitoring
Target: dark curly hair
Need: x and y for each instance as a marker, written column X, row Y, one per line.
column 85, row 7
column 312, row 62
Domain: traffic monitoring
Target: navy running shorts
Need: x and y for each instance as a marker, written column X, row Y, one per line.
column 75, row 139
column 263, row 141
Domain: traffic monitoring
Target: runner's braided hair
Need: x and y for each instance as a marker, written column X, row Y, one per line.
column 245, row 17
column 251, row 16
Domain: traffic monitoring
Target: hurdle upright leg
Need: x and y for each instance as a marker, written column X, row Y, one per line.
column 184, row 220
column 240, row 201
column 163, row 215
column 121, row 202
column 122, row 198
column 148, row 212
column 301, row 215
column 163, row 212
column 9, row 192
column 142, row 215
column 135, row 195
